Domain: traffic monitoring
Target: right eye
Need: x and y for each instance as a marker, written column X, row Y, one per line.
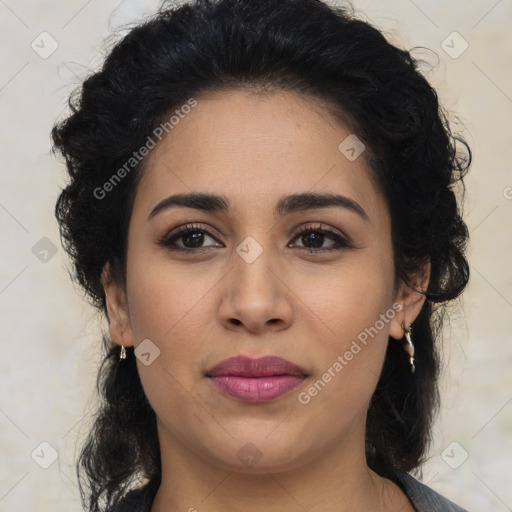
column 192, row 237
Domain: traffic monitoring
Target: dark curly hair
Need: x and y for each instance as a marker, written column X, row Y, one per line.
column 370, row 85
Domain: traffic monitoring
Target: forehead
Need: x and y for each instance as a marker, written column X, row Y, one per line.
column 253, row 148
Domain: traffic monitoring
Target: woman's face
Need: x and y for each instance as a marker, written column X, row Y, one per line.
column 252, row 285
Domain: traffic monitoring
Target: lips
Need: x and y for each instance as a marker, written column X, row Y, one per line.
column 256, row 380
column 262, row 367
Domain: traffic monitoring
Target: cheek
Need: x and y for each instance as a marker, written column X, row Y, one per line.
column 170, row 305
column 354, row 294
column 357, row 308
column 162, row 297
column 164, row 307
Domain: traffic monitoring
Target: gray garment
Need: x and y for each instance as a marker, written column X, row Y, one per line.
column 422, row 497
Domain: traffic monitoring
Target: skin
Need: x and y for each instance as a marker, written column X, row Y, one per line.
column 200, row 309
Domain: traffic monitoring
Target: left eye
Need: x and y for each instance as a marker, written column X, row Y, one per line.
column 313, row 238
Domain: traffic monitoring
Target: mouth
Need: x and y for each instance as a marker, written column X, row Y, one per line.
column 256, row 380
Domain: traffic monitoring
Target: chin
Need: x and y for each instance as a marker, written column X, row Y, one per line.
column 258, row 454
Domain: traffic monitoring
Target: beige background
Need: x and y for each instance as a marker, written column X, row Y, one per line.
column 49, row 339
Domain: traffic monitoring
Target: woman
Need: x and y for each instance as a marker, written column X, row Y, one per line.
column 261, row 200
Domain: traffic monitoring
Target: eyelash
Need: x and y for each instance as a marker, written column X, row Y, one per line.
column 168, row 240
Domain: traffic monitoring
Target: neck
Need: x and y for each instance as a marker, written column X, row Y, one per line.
column 337, row 480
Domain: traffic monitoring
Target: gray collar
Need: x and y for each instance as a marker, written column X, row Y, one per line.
column 421, row 496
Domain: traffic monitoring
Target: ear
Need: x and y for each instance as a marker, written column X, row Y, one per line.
column 411, row 301
column 117, row 308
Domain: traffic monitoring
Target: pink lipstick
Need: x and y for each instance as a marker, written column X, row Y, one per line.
column 256, row 380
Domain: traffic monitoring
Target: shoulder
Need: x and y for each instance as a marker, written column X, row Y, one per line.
column 423, row 497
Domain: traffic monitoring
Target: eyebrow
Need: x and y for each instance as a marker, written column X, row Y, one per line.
column 285, row 205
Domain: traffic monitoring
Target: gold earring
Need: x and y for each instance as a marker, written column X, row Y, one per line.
column 123, row 353
column 409, row 346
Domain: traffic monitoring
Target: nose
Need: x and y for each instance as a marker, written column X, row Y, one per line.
column 256, row 297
